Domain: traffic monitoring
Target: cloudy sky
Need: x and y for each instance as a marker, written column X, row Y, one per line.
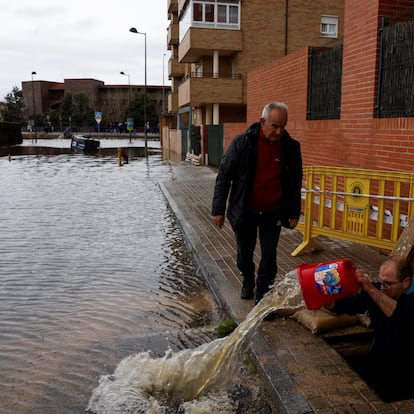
column 60, row 39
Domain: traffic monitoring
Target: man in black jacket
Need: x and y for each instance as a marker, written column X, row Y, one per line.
column 262, row 172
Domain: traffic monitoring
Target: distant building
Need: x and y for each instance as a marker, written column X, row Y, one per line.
column 111, row 100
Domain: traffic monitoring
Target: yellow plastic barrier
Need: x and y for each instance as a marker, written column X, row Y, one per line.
column 369, row 207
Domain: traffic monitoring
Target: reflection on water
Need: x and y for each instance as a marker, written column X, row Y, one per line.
column 108, row 147
column 92, row 269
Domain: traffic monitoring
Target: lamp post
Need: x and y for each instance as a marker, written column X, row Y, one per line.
column 134, row 30
column 34, row 107
column 129, row 100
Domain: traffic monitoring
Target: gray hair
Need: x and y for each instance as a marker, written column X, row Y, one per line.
column 274, row 105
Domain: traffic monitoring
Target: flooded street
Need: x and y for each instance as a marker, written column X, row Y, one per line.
column 93, row 269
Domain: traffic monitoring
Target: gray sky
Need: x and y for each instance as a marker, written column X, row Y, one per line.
column 60, row 39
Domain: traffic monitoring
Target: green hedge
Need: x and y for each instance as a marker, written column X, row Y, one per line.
column 10, row 134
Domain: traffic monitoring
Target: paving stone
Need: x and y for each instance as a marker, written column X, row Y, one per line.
column 289, row 357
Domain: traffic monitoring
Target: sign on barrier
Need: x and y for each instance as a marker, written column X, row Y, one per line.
column 356, row 206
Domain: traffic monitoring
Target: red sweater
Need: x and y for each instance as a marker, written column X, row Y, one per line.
column 266, row 194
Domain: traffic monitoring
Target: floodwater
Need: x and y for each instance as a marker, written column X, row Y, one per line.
column 196, row 378
column 93, row 269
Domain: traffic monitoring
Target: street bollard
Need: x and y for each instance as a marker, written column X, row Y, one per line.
column 120, row 156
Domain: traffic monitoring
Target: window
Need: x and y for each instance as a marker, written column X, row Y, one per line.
column 198, row 12
column 209, row 12
column 227, row 13
column 203, row 12
column 216, row 13
column 329, row 26
column 234, row 14
column 221, row 13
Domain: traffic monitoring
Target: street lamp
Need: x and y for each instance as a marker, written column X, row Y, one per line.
column 129, row 100
column 129, row 90
column 34, row 107
column 134, row 30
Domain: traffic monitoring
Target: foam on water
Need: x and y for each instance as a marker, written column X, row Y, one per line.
column 194, row 379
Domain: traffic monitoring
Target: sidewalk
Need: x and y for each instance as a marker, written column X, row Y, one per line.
column 290, row 359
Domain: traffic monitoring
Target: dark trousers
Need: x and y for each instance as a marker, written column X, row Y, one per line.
column 389, row 378
column 268, row 226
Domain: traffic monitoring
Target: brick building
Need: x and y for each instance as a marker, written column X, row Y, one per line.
column 111, row 100
column 359, row 137
column 215, row 44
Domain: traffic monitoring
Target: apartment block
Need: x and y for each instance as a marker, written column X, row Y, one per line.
column 359, row 137
column 214, row 45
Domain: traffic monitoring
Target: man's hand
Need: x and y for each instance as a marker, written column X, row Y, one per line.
column 386, row 304
column 364, row 281
column 218, row 221
column 329, row 306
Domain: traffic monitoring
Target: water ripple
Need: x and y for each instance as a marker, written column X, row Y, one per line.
column 93, row 268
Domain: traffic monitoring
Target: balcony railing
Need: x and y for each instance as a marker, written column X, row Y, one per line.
column 210, row 75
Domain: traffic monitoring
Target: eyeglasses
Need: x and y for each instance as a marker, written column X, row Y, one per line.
column 388, row 285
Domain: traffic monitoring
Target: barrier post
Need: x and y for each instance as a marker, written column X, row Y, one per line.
column 120, row 156
column 307, row 242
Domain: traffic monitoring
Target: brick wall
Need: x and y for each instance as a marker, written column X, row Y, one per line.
column 231, row 130
column 357, row 139
column 282, row 80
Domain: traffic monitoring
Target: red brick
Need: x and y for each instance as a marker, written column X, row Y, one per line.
column 358, row 139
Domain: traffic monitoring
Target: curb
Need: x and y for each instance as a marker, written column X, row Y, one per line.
column 277, row 380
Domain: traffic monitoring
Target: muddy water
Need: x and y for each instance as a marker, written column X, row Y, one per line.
column 195, row 378
column 92, row 269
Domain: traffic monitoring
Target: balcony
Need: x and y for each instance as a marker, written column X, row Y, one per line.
column 199, row 42
column 173, row 102
column 175, row 69
column 172, row 6
column 196, row 90
column 173, row 34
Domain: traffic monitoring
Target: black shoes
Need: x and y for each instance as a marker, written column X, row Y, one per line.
column 247, row 292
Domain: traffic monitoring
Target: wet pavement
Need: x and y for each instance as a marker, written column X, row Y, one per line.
column 302, row 372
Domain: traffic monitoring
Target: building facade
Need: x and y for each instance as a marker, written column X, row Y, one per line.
column 360, row 137
column 42, row 96
column 215, row 44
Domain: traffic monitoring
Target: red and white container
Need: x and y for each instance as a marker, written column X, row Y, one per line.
column 326, row 282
